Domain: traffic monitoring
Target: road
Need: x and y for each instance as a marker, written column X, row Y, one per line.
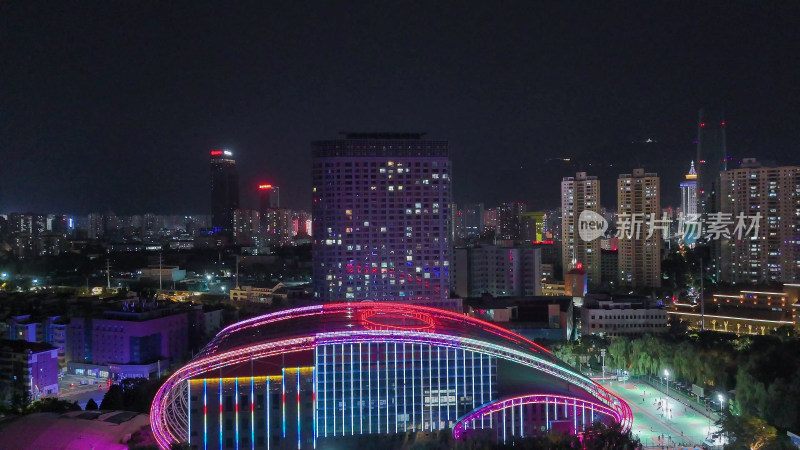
column 71, row 389
column 682, row 428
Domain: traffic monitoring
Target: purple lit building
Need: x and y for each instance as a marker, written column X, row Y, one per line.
column 128, row 344
column 29, row 367
column 381, row 218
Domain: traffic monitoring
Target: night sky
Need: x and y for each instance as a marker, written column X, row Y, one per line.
column 115, row 105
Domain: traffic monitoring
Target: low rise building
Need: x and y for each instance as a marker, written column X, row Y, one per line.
column 613, row 316
column 30, row 368
column 535, row 317
column 139, row 340
column 748, row 312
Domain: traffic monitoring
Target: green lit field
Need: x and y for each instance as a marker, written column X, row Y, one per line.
column 683, row 427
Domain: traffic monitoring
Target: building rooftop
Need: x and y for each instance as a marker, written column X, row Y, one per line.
column 24, row 346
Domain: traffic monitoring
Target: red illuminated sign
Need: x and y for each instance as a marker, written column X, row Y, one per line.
column 216, row 152
column 264, row 187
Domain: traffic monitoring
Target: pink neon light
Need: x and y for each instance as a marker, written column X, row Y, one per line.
column 624, row 416
column 210, row 358
column 368, row 322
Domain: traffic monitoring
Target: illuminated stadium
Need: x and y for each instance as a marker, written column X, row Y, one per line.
column 301, row 377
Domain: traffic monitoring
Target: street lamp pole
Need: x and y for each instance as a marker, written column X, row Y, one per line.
column 666, row 396
column 721, row 412
column 603, row 356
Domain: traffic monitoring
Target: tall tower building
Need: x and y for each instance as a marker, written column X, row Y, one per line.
column 689, row 193
column 771, row 250
column 579, row 193
column 224, row 189
column 712, row 158
column 468, row 222
column 639, row 203
column 380, row 218
column 268, row 197
column 509, row 221
column 246, row 226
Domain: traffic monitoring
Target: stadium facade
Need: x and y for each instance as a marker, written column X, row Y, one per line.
column 301, row 377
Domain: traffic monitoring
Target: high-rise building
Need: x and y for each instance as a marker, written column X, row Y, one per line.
column 579, row 193
column 246, row 226
column 381, row 219
column 468, row 222
column 639, row 248
column 224, row 189
column 712, row 158
column 277, row 225
column 490, row 219
column 509, row 221
column 532, row 227
column 496, row 270
column 269, row 196
column 771, row 250
column 689, row 193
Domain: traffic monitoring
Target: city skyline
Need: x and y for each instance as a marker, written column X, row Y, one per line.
column 542, row 87
column 395, row 225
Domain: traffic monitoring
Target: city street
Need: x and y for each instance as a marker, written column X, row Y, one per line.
column 71, row 389
column 682, row 428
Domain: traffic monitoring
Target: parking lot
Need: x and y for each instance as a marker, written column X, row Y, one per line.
column 81, row 389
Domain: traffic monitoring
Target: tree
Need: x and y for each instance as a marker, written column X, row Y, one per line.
column 91, row 405
column 609, row 437
column 114, row 399
column 52, row 404
column 749, row 432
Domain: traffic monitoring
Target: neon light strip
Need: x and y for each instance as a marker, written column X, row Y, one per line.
column 205, row 414
column 413, row 389
column 236, row 400
column 252, row 413
column 325, row 384
column 352, row 387
column 369, row 383
column 476, row 346
column 283, row 399
column 788, row 322
column 209, row 359
column 298, row 408
column 220, row 412
column 314, row 398
column 430, row 387
column 386, row 371
column 405, row 397
column 438, row 388
column 360, row 391
column 188, row 411
column 447, row 382
column 395, row 386
column 269, row 433
column 344, row 401
column 509, row 403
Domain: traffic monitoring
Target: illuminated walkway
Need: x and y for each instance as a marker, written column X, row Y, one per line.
column 685, row 428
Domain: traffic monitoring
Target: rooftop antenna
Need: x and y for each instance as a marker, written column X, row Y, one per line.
column 237, row 271
column 108, row 272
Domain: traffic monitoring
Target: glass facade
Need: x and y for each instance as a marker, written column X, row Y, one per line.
column 367, row 388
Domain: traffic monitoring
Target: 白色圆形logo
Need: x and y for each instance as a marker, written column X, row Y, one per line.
column 591, row 225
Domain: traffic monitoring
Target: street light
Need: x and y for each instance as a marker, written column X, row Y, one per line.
column 603, row 355
column 666, row 398
column 721, row 411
